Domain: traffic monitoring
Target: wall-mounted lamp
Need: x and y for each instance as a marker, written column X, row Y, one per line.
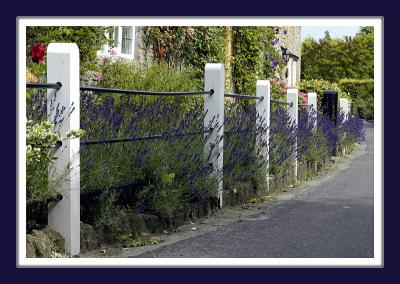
column 285, row 55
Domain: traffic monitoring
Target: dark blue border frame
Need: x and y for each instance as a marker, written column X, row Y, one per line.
column 209, row 8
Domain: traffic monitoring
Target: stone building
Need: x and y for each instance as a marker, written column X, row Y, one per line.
column 290, row 41
column 129, row 44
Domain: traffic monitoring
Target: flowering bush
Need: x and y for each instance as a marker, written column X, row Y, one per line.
column 89, row 39
column 350, row 131
column 282, row 141
column 279, row 91
column 41, row 141
column 243, row 160
column 312, row 142
column 174, row 167
column 186, row 46
column 319, row 86
column 36, row 65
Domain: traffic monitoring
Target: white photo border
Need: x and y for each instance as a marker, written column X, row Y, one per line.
column 376, row 22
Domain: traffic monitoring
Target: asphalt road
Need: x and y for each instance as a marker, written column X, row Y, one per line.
column 332, row 219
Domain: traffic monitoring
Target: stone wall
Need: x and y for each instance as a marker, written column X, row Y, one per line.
column 292, row 41
column 143, row 54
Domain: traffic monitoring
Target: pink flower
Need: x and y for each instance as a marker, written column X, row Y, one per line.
column 114, row 51
column 99, row 77
column 303, row 97
column 190, row 31
column 104, row 59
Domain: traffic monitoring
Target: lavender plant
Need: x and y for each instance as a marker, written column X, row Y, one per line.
column 312, row 143
column 282, row 141
column 174, row 165
column 243, row 157
column 350, row 131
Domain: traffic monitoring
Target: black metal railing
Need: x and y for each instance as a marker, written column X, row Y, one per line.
column 143, row 138
column 55, row 86
column 130, row 186
column 247, row 97
column 34, row 204
column 144, row 93
column 281, row 103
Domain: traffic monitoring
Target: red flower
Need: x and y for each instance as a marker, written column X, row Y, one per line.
column 37, row 52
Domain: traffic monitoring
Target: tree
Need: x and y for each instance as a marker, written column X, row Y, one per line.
column 334, row 59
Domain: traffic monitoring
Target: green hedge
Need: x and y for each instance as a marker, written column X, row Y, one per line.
column 319, row 86
column 362, row 94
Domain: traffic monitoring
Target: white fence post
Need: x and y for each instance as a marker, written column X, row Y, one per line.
column 293, row 110
column 313, row 107
column 344, row 108
column 214, row 79
column 63, row 67
column 263, row 111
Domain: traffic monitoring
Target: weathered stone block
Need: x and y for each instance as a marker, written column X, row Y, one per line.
column 89, row 237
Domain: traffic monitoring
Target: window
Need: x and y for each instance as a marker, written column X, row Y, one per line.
column 126, row 41
column 116, row 35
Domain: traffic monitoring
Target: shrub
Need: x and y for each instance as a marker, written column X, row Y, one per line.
column 362, row 94
column 126, row 74
column 319, row 86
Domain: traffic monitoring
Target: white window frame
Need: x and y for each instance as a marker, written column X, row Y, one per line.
column 118, row 44
column 294, row 73
column 289, row 67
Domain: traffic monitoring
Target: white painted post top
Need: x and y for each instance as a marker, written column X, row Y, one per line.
column 312, row 108
column 344, row 107
column 64, row 48
column 312, row 99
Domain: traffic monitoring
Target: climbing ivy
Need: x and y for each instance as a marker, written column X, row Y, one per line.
column 254, row 50
column 255, row 56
